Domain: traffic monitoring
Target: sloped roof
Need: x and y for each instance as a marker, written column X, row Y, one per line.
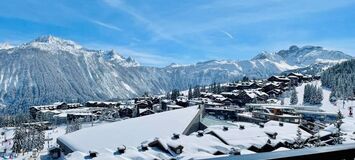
column 130, row 132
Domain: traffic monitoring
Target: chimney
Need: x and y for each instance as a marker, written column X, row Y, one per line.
column 144, row 147
column 121, row 149
column 176, row 136
column 200, row 133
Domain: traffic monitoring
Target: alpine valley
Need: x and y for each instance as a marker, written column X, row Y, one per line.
column 50, row 69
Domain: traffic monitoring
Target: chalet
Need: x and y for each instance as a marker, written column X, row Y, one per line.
column 164, row 104
column 247, row 85
column 144, row 112
column 84, row 117
column 215, row 96
column 248, row 96
column 274, row 93
column 102, row 104
column 43, row 125
column 294, row 80
column 307, row 78
column 243, row 85
column 225, row 101
column 55, row 106
column 298, row 75
column 206, row 94
column 230, row 87
column 126, row 112
column 231, row 95
column 157, row 108
column 271, row 86
column 278, row 79
column 285, row 114
column 144, row 104
column 182, row 101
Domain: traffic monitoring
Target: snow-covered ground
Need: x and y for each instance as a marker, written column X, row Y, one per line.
column 348, row 127
column 52, row 134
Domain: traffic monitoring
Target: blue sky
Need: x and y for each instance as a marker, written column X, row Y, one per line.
column 159, row 32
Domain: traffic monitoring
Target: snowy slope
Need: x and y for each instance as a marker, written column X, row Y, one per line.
column 50, row 69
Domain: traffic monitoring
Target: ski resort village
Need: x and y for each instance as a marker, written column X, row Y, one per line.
column 177, row 80
column 283, row 113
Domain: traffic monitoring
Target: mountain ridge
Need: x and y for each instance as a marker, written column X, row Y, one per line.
column 50, row 69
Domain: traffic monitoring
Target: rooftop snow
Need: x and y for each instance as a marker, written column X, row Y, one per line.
column 130, row 132
column 254, row 135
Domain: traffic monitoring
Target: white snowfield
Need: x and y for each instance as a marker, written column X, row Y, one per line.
column 130, row 132
column 349, row 122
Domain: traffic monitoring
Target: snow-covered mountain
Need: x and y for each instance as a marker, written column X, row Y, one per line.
column 50, row 69
column 5, row 46
column 304, row 56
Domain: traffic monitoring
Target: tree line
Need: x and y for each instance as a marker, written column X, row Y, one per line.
column 340, row 79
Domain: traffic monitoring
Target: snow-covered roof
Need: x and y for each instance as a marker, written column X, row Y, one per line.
column 102, row 102
column 130, row 132
column 174, row 106
column 253, row 135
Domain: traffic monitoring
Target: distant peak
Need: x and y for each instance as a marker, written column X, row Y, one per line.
column 174, row 65
column 49, row 39
column 294, row 48
column 6, row 46
column 52, row 40
column 262, row 55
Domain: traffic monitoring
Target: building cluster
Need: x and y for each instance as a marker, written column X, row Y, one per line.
column 260, row 91
column 61, row 112
column 231, row 95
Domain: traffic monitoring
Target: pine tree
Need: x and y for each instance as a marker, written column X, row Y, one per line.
column 18, row 140
column 306, row 94
column 218, row 88
column 338, row 139
column 245, row 79
column 168, row 95
column 189, row 95
column 294, row 98
column 174, row 94
column 196, row 92
column 298, row 140
column 332, row 96
column 317, row 142
column 312, row 94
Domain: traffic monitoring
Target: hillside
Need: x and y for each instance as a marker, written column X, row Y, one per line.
column 341, row 79
column 50, row 69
